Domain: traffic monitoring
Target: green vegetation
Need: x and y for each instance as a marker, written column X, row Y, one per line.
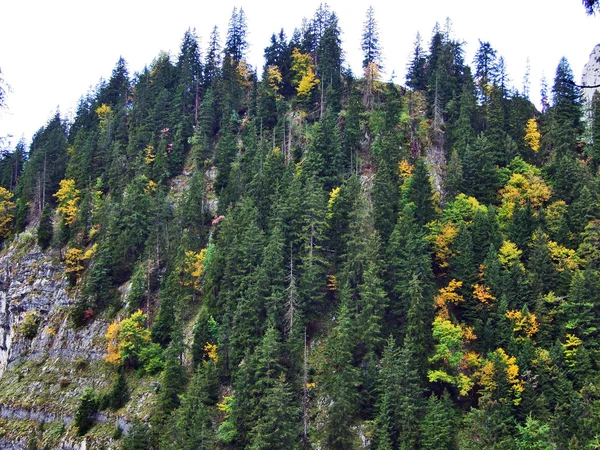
column 417, row 267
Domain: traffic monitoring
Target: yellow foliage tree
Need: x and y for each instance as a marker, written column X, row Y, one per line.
column 75, row 260
column 441, row 241
column 7, row 210
column 509, row 254
column 244, row 73
column 127, row 338
column 68, row 198
column 563, row 257
column 525, row 324
column 483, row 294
column 193, row 267
column 333, row 196
column 570, row 349
column 211, row 352
column 274, row 78
column 405, row 168
column 304, row 73
column 488, row 372
column 149, row 154
column 448, row 295
column 104, row 113
column 532, row 134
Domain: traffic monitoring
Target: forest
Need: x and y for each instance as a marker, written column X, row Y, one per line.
column 305, row 257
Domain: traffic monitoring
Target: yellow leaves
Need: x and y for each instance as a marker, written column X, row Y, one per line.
column 211, row 352
column 405, row 168
column 149, row 154
column 7, row 208
column 68, row 198
column 523, row 188
column 304, row 73
column 274, row 78
column 486, row 376
column 112, row 336
column 150, row 187
column 464, row 383
column 225, row 405
column 332, row 282
column 525, row 324
column 512, row 375
column 308, row 82
column 127, row 338
column 468, row 334
column 570, row 349
column 482, row 293
column 448, row 295
column 489, row 371
column 441, row 242
column 104, row 113
column 333, row 196
column 75, row 259
column 193, row 267
column 563, row 257
column 532, row 134
column 509, row 254
column 244, row 72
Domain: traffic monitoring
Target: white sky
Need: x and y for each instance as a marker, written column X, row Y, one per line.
column 53, row 51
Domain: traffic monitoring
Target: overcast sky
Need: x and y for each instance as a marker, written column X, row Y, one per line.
column 53, row 52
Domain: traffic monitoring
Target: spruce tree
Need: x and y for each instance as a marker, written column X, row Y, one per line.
column 566, row 110
column 340, row 381
column 420, row 193
column 45, row 229
column 437, row 428
column 370, row 40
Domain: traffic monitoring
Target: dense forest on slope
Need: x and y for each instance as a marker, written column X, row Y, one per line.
column 315, row 259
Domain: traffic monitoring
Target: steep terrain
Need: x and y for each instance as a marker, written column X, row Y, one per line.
column 591, row 74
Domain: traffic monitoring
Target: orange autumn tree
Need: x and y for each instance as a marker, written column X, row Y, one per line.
column 127, row 339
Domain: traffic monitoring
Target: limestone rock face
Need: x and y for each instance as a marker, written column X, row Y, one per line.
column 33, row 284
column 591, row 74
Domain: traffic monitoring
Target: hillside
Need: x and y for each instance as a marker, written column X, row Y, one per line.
column 310, row 258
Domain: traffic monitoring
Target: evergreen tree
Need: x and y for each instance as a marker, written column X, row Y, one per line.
column 566, row 109
column 236, row 44
column 370, row 40
column 453, row 183
column 45, row 229
column 480, row 175
column 415, row 78
column 340, row 381
column 401, row 403
column 437, row 429
column 419, row 192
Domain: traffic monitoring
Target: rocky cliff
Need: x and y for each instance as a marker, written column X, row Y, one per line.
column 45, row 363
column 591, row 74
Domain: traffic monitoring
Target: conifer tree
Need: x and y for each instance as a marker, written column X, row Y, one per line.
column 419, row 192
column 415, row 78
column 370, row 40
column 401, row 403
column 341, row 381
column 437, row 429
column 45, row 229
column 236, row 44
column 566, row 110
